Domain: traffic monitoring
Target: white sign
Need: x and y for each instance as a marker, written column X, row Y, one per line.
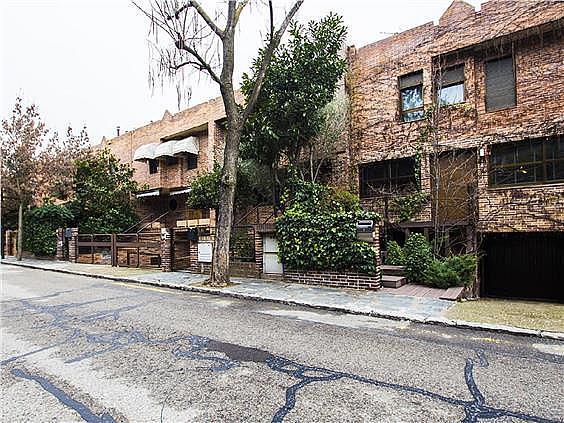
column 204, row 252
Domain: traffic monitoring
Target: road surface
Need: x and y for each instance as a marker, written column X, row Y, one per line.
column 83, row 349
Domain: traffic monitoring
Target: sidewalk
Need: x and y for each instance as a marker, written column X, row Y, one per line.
column 370, row 303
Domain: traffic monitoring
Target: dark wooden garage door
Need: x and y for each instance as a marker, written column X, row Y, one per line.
column 526, row 265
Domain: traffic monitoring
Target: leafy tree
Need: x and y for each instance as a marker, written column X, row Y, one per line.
column 318, row 232
column 204, row 189
column 40, row 227
column 103, row 187
column 300, row 82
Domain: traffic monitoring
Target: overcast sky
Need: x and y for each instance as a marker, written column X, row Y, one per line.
column 86, row 62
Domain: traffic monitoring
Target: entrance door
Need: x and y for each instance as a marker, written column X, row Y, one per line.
column 270, row 261
column 454, row 180
column 524, row 265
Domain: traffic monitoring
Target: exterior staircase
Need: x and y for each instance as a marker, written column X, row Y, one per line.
column 393, row 276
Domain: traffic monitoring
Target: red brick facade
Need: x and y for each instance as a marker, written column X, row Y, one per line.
column 530, row 32
column 202, row 121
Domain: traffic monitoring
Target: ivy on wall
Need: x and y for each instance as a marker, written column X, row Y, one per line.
column 318, row 230
column 405, row 207
column 41, row 223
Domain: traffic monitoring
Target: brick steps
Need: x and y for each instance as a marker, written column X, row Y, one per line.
column 388, row 269
column 390, row 281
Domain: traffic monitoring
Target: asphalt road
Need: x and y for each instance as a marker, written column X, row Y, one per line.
column 76, row 348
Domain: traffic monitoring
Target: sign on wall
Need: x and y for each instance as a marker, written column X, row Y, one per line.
column 205, row 251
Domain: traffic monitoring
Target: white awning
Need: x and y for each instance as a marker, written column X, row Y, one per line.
column 152, row 193
column 179, row 191
column 186, row 145
column 165, row 149
column 145, row 152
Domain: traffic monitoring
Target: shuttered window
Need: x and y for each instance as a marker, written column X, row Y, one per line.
column 411, row 94
column 387, row 176
column 451, row 89
column 537, row 161
column 500, row 84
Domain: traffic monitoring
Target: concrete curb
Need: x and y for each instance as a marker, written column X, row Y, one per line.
column 511, row 330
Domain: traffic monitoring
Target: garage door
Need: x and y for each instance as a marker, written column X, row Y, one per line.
column 524, row 265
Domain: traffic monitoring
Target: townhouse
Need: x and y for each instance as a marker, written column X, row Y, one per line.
column 456, row 131
column 468, row 112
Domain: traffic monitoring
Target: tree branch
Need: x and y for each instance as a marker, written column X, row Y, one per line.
column 181, row 45
column 239, row 9
column 272, row 45
column 203, row 14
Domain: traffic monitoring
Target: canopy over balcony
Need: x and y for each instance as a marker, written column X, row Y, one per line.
column 152, row 151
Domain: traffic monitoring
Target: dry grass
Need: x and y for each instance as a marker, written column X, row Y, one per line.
column 524, row 314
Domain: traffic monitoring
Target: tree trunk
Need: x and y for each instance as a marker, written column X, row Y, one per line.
column 220, row 260
column 20, row 233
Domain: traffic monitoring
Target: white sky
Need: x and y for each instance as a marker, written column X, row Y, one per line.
column 86, row 62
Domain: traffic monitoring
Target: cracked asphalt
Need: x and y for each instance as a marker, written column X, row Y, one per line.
column 82, row 349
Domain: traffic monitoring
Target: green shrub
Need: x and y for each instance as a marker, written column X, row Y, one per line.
column 347, row 200
column 408, row 205
column 418, row 257
column 316, row 232
column 452, row 271
column 465, row 266
column 40, row 225
column 394, row 254
column 440, row 275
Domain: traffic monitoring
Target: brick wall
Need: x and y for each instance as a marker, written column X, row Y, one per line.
column 200, row 120
column 333, row 279
column 533, row 33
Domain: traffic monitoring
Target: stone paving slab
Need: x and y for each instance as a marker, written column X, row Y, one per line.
column 371, row 303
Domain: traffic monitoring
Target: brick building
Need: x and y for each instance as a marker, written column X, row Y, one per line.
column 167, row 154
column 469, row 110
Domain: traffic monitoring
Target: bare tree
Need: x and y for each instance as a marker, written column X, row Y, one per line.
column 58, row 163
column 206, row 43
column 22, row 138
column 331, row 136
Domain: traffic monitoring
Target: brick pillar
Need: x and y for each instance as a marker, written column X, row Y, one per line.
column 194, row 256
column 166, row 249
column 258, row 250
column 73, row 246
column 60, row 254
column 376, row 247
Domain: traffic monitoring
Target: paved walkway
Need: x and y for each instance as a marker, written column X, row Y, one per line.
column 355, row 301
column 372, row 303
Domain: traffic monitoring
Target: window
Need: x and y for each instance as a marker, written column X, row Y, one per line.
column 538, row 161
column 153, row 166
column 411, row 94
column 387, row 176
column 171, row 161
column 451, row 88
column 500, row 84
column 191, row 161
